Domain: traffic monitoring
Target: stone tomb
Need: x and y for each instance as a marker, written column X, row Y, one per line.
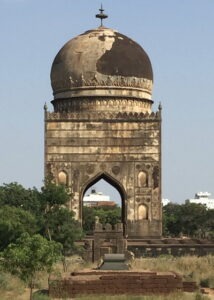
column 114, row 262
column 103, row 127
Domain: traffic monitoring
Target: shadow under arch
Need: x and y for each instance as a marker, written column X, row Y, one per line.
column 117, row 185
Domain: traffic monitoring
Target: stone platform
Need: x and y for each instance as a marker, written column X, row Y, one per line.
column 99, row 282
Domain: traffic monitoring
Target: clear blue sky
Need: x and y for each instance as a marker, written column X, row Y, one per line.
column 177, row 35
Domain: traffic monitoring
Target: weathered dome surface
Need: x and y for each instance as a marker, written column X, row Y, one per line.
column 102, row 62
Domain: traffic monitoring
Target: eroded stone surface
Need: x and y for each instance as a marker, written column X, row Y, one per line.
column 103, row 126
column 99, row 58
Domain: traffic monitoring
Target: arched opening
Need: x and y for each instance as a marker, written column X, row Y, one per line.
column 103, row 197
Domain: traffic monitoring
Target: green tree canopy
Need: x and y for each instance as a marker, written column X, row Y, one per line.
column 61, row 226
column 190, row 219
column 58, row 222
column 29, row 255
column 106, row 214
column 54, row 195
column 171, row 220
column 13, row 222
column 32, row 211
column 14, row 194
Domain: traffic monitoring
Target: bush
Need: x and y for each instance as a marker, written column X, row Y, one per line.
column 204, row 282
column 41, row 295
column 200, row 297
column 3, row 281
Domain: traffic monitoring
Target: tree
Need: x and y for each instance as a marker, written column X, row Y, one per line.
column 13, row 222
column 51, row 218
column 113, row 215
column 191, row 219
column 58, row 222
column 63, row 228
column 209, row 223
column 106, row 214
column 30, row 255
column 14, row 194
column 88, row 219
column 171, row 220
column 53, row 195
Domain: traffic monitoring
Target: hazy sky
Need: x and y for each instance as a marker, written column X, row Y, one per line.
column 179, row 39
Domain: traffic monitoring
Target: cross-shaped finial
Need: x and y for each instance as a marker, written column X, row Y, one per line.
column 101, row 15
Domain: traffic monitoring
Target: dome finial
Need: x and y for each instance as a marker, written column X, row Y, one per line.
column 101, row 15
column 160, row 106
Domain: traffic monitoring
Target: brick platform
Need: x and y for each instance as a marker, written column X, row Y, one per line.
column 118, row 282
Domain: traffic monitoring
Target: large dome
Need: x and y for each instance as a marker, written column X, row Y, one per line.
column 102, row 62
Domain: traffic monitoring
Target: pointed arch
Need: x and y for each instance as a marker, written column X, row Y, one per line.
column 116, row 184
column 110, row 179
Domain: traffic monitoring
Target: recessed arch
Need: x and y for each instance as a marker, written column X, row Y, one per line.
column 63, row 177
column 142, row 179
column 142, row 212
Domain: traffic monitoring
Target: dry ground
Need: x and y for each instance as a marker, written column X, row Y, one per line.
column 194, row 268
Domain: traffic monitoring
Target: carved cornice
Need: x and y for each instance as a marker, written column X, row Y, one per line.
column 101, row 116
column 102, row 104
column 103, row 81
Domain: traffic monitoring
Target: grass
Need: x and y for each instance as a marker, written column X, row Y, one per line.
column 199, row 269
column 10, row 287
column 193, row 268
column 175, row 296
column 13, row 288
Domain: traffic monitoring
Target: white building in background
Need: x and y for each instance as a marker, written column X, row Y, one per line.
column 97, row 199
column 165, row 201
column 203, row 198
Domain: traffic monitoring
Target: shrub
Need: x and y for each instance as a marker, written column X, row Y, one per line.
column 3, row 281
column 204, row 282
column 40, row 295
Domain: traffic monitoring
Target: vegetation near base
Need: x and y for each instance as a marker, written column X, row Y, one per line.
column 37, row 234
column 36, row 231
column 193, row 268
column 176, row 296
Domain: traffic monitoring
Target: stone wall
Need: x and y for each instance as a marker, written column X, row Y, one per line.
column 112, row 241
column 123, row 148
column 118, row 282
column 170, row 246
column 108, row 240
